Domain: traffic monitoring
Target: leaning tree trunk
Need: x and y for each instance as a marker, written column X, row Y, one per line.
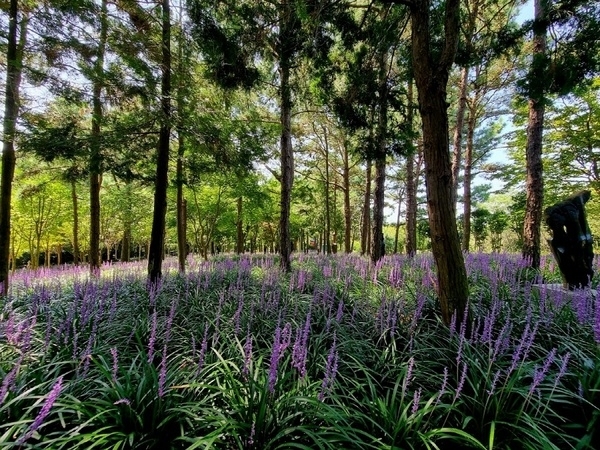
column 431, row 79
column 157, row 238
column 365, row 241
column 14, row 57
column 535, row 127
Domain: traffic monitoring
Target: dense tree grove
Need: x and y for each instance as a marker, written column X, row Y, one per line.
column 146, row 129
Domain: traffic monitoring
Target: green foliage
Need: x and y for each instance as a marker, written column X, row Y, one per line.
column 213, row 359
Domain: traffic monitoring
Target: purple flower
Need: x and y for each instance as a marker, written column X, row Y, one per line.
column 162, row 375
column 300, row 349
column 115, row 367
column 540, row 374
column 203, row 348
column 340, row 312
column 330, row 370
column 416, row 399
column 453, row 324
column 409, row 370
column 9, row 379
column 238, row 314
column 152, row 341
column 275, row 353
column 597, row 321
column 170, row 319
column 122, row 401
column 444, row 385
column 563, row 369
column 52, row 396
column 461, row 383
column 494, row 382
column 247, row 354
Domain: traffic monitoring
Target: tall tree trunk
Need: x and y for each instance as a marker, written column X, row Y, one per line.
column 181, row 219
column 458, row 132
column 347, row 210
column 76, row 253
column 287, row 154
column 378, row 245
column 365, row 236
column 126, row 243
column 14, row 60
column 535, row 127
column 95, row 155
column 468, row 175
column 182, row 247
column 431, row 78
column 397, row 234
column 240, row 228
column 327, row 202
column 411, row 187
column 157, row 238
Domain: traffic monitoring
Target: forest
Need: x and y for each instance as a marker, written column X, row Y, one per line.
column 293, row 204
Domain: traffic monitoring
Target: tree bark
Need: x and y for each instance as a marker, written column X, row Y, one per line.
column 397, row 234
column 365, row 236
column 181, row 210
column 126, row 244
column 239, row 226
column 534, row 184
column 157, row 238
column 347, row 210
column 458, row 133
column 95, row 154
column 378, row 245
column 76, row 253
column 14, row 59
column 467, row 183
column 431, row 78
column 411, row 187
column 287, row 154
column 327, row 202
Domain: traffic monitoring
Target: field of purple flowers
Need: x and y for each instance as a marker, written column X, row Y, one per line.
column 338, row 354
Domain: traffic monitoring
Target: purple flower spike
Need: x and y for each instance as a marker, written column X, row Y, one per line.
column 8, row 381
column 275, row 354
column 52, row 396
column 247, row 354
column 416, row 399
column 540, row 374
column 330, row 370
column 115, row 367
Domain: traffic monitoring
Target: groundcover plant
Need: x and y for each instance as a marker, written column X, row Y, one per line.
column 340, row 353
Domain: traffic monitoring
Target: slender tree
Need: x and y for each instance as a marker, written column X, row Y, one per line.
column 95, row 147
column 14, row 61
column 157, row 238
column 534, row 184
column 431, row 70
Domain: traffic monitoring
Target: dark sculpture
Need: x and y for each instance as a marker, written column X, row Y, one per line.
column 571, row 241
